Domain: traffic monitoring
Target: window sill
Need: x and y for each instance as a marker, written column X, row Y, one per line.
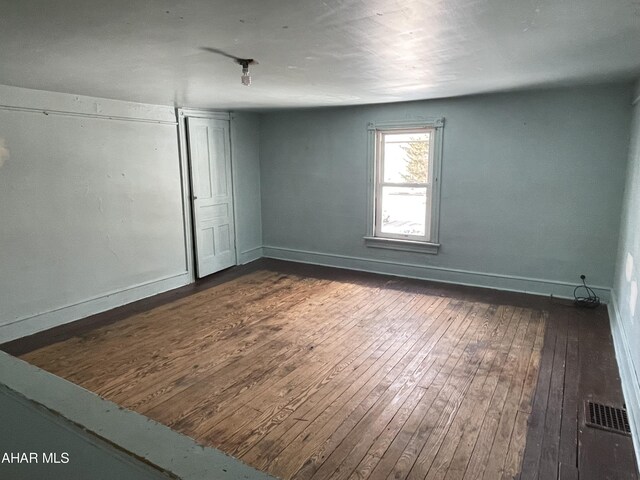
column 403, row 245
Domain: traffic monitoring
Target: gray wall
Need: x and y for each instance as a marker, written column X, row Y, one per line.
column 90, row 206
column 27, row 427
column 630, row 247
column 624, row 310
column 531, row 187
column 245, row 144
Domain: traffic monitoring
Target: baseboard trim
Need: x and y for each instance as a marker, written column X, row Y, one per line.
column 130, row 432
column 69, row 313
column 628, row 373
column 250, row 255
column 496, row 281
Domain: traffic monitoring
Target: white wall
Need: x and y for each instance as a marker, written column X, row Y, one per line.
column 531, row 187
column 91, row 212
column 625, row 314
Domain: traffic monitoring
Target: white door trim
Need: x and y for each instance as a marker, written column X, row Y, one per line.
column 187, row 198
column 186, row 194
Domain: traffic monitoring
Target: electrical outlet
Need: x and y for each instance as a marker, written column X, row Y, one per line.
column 633, row 298
column 628, row 268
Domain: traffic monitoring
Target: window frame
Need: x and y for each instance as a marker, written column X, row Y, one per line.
column 374, row 237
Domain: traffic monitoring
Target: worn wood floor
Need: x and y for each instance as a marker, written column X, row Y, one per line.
column 320, row 374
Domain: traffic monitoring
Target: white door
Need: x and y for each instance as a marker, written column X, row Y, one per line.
column 210, row 159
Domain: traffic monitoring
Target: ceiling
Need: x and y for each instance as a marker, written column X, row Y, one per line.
column 313, row 52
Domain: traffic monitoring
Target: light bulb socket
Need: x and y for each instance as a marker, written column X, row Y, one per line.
column 245, row 78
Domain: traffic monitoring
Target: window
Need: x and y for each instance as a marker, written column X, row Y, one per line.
column 405, row 182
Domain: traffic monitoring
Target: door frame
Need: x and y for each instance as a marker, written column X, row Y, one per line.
column 187, row 190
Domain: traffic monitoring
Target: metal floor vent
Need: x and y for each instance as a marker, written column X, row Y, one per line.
column 607, row 418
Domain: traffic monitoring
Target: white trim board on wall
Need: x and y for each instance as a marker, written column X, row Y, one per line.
column 69, row 313
column 628, row 373
column 250, row 255
column 508, row 283
column 54, row 103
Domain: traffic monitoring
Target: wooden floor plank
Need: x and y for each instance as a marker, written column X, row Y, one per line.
column 337, row 402
column 434, row 459
column 301, row 407
column 298, row 344
column 449, row 395
column 549, row 455
column 272, row 402
column 314, row 373
column 383, row 440
column 568, row 445
column 517, row 357
column 513, row 461
column 242, row 339
column 73, row 356
column 402, row 372
column 535, row 437
column 411, row 429
column 508, row 415
column 485, row 438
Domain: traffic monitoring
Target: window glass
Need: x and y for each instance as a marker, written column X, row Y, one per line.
column 406, row 157
column 403, row 210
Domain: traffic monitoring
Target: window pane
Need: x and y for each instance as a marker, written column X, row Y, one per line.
column 406, row 157
column 403, row 210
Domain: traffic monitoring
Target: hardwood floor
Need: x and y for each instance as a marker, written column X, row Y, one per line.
column 578, row 364
column 313, row 373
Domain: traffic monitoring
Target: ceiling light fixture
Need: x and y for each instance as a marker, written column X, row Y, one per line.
column 245, row 78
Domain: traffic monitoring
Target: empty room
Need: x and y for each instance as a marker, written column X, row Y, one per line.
column 319, row 240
